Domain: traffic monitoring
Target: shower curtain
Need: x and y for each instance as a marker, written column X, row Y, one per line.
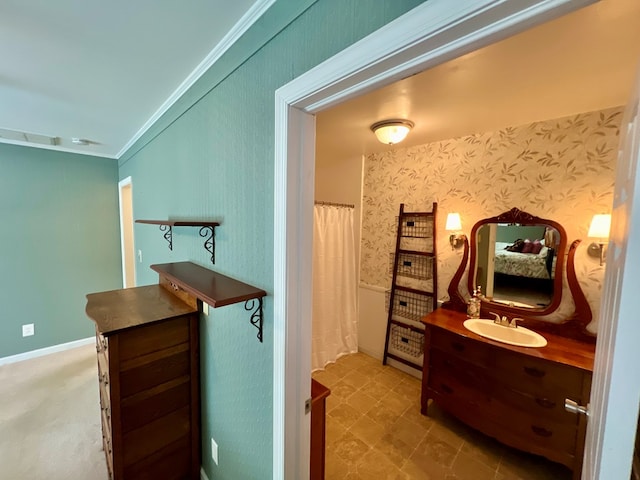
column 335, row 324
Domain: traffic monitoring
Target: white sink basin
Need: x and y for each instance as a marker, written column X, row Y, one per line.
column 520, row 337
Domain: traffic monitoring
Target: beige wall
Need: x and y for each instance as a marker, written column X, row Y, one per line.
column 561, row 169
column 339, row 180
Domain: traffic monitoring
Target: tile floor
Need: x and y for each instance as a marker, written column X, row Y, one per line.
column 375, row 432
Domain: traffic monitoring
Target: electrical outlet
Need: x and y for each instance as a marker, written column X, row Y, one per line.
column 139, row 256
column 205, row 308
column 214, row 451
column 28, row 330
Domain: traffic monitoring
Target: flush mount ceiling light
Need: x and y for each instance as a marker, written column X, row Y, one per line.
column 80, row 141
column 391, row 131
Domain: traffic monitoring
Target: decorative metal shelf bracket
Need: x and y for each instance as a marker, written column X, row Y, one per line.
column 256, row 316
column 209, row 243
column 168, row 234
column 207, row 230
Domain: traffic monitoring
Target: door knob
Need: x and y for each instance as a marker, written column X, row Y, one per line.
column 573, row 407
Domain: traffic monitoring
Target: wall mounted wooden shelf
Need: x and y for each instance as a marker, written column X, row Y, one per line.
column 213, row 288
column 207, row 230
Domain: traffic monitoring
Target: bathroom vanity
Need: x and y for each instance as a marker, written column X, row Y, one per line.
column 515, row 394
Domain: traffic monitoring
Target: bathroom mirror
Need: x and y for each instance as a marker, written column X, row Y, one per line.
column 517, row 260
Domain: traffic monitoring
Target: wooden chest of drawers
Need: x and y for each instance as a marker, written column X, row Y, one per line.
column 513, row 394
column 148, row 363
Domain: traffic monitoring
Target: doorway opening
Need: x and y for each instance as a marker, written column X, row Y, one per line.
column 427, row 36
column 127, row 245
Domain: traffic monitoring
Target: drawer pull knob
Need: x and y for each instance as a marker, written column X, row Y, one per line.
column 541, row 431
column 446, row 388
column 457, row 346
column 534, row 372
column 545, row 402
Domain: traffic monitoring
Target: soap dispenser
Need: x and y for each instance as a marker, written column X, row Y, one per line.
column 473, row 306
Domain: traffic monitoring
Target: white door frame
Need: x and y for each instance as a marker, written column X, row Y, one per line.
column 430, row 34
column 122, row 184
column 615, row 392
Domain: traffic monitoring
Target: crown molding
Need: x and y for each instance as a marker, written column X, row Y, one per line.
column 247, row 20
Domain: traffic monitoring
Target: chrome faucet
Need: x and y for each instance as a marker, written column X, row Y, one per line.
column 500, row 320
column 513, row 324
column 504, row 321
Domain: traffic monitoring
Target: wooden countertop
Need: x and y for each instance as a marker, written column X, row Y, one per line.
column 559, row 349
column 118, row 310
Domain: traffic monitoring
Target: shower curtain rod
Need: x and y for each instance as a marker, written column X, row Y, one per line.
column 331, row 204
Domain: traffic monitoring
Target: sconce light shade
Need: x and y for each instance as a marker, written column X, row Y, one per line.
column 599, row 229
column 391, row 132
column 453, row 222
column 600, row 225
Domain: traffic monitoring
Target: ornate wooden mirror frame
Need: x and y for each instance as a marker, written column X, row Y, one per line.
column 573, row 326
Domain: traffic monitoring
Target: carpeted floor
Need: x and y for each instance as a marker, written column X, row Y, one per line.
column 50, row 418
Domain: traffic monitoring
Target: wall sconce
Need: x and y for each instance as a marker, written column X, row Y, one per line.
column 454, row 224
column 600, row 225
column 391, row 131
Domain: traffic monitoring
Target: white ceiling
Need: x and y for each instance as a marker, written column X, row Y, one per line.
column 581, row 62
column 104, row 71
column 100, row 70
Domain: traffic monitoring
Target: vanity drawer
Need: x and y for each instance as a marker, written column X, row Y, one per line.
column 485, row 381
column 454, row 390
column 548, row 405
column 454, row 367
column 534, row 375
column 515, row 427
column 536, row 430
column 459, row 346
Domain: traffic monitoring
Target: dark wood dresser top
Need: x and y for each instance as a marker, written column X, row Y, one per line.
column 559, row 349
column 211, row 287
column 118, row 310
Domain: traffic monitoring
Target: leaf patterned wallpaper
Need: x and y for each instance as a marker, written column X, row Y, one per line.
column 561, row 169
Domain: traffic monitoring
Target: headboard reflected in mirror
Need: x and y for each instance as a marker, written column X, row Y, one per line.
column 518, row 260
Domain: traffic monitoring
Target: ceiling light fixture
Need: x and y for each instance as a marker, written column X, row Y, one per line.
column 391, row 131
column 80, row 141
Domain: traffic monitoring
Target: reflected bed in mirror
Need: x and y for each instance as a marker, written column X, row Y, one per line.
column 516, row 264
column 517, row 260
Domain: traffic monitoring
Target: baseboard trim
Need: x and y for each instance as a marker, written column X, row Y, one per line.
column 46, row 351
column 203, row 476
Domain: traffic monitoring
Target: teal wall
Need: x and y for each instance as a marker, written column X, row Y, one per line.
column 212, row 157
column 60, row 240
